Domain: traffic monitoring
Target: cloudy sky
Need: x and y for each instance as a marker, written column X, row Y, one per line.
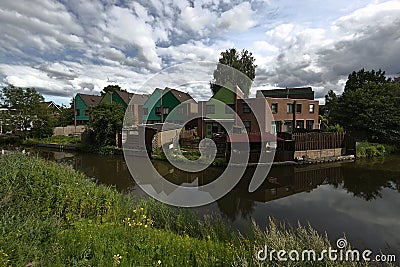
column 69, row 46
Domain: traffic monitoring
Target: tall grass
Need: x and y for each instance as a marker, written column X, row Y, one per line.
column 51, row 215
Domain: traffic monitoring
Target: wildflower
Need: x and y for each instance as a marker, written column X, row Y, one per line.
column 159, row 262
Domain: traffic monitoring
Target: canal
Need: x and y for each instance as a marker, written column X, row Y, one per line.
column 360, row 199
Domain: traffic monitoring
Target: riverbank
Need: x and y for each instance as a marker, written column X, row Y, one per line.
column 52, row 215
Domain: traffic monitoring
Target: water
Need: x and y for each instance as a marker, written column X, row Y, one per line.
column 360, row 199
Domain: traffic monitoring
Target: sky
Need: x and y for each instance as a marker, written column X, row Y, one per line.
column 79, row 46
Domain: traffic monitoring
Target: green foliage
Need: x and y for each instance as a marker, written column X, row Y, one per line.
column 111, row 88
column 26, row 111
column 369, row 104
column 106, row 121
column 66, row 116
column 335, row 128
column 51, row 215
column 242, row 61
column 370, row 150
column 58, row 140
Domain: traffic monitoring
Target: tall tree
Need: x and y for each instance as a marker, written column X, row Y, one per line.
column 111, row 88
column 369, row 104
column 27, row 109
column 106, row 121
column 242, row 61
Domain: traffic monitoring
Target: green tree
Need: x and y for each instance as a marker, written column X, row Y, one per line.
column 106, row 121
column 242, row 61
column 111, row 88
column 369, row 104
column 27, row 111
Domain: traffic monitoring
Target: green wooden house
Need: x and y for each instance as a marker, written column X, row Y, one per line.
column 219, row 109
column 160, row 106
column 82, row 105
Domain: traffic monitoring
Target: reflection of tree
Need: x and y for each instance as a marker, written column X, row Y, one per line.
column 368, row 184
column 231, row 205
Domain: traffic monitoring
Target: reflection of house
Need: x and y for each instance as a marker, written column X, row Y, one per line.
column 169, row 105
column 291, row 106
column 82, row 105
column 124, row 98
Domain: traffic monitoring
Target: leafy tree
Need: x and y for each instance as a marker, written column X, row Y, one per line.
column 369, row 104
column 242, row 61
column 27, row 111
column 106, row 121
column 111, row 88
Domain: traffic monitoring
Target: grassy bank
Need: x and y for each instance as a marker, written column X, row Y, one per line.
column 55, row 140
column 370, row 150
column 51, row 215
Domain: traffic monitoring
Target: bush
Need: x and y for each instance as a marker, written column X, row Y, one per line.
column 369, row 150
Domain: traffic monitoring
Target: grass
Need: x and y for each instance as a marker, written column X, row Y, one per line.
column 51, row 215
column 57, row 140
column 370, row 150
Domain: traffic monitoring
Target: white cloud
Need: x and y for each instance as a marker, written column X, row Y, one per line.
column 239, row 18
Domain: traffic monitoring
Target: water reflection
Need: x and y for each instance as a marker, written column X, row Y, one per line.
column 358, row 198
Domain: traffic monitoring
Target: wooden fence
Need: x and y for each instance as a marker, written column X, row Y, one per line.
column 318, row 141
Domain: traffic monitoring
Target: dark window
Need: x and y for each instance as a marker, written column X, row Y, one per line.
column 289, row 108
column 298, row 108
column 311, row 108
column 310, row 124
column 158, row 111
column 246, row 108
column 145, row 111
column 210, row 109
column 278, row 126
column 78, row 112
column 300, row 124
column 229, row 109
column 287, row 127
column 247, row 125
column 274, row 108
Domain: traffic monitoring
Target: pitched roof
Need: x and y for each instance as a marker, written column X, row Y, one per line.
column 125, row 96
column 179, row 95
column 90, row 100
column 294, row 92
column 139, row 99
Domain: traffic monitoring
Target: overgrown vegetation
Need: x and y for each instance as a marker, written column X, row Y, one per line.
column 369, row 150
column 51, row 215
column 57, row 140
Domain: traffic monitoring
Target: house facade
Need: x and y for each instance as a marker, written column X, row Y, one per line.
column 82, row 105
column 162, row 106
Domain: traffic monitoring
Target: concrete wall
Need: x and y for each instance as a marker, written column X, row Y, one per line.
column 320, row 154
column 69, row 130
column 166, row 137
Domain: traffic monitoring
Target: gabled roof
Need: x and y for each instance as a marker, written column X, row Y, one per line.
column 179, row 95
column 139, row 99
column 294, row 93
column 90, row 100
column 125, row 96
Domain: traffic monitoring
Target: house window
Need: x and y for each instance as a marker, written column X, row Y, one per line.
column 274, row 108
column 247, row 125
column 145, row 111
column 300, row 124
column 278, row 126
column 179, row 110
column 165, row 110
column 310, row 124
column 246, row 108
column 289, row 108
column 229, row 109
column 78, row 112
column 311, row 108
column 158, row 111
column 210, row 109
column 298, row 108
column 287, row 126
